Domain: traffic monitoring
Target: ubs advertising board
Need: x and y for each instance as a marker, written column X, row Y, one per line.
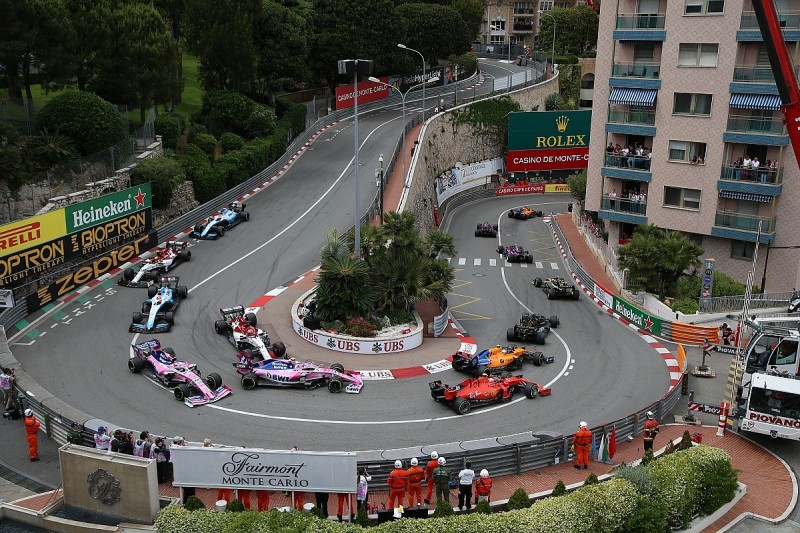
column 548, row 140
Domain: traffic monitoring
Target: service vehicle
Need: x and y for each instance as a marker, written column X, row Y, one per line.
column 486, row 229
column 239, row 326
column 532, row 327
column 289, row 373
column 557, row 288
column 214, row 227
column 182, row 377
column 484, row 390
column 515, row 254
column 497, row 360
column 170, row 255
column 523, row 213
column 158, row 311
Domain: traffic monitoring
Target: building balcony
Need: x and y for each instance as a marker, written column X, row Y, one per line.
column 788, row 20
column 524, row 12
column 636, row 70
column 736, row 221
column 640, row 21
column 637, row 117
column 618, row 167
column 766, row 179
column 624, row 209
column 523, row 27
column 756, row 124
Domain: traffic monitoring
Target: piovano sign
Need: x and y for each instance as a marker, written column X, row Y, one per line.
column 344, row 343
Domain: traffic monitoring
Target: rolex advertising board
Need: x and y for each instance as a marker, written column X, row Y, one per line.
column 548, row 140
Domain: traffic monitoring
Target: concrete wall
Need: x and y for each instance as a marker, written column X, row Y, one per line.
column 443, row 143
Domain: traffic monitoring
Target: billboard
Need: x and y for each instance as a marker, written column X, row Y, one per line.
column 368, row 91
column 463, row 177
column 531, row 188
column 548, row 140
column 31, row 231
column 107, row 207
column 75, row 278
column 641, row 319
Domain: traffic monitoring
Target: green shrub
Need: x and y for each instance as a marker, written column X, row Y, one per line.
column 170, row 126
column 398, row 316
column 336, row 325
column 195, row 129
column 193, row 503
column 292, row 115
column 650, row 515
column 483, row 507
column 228, row 111
column 590, row 53
column 686, row 306
column 230, row 141
column 164, row 174
column 467, row 63
column 689, row 286
column 566, row 60
column 209, row 186
column 648, row 457
column 261, row 121
column 194, row 162
column 231, row 167
column 560, row 489
column 640, row 477
column 235, row 506
column 519, row 500
column 719, row 483
column 605, row 507
column 686, row 441
column 207, row 143
column 362, row 517
column 670, row 448
column 443, row 508
column 89, row 121
column 359, row 327
column 591, row 480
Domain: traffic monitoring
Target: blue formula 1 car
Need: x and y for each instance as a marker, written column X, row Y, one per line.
column 158, row 311
column 215, row 227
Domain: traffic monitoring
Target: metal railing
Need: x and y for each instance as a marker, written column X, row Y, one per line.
column 767, row 300
column 756, row 74
column 788, row 20
column 640, row 21
column 636, row 70
column 734, row 220
column 630, row 162
column 763, row 175
column 624, row 205
column 756, row 124
column 647, row 118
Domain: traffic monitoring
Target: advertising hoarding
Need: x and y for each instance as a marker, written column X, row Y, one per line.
column 368, row 91
column 548, row 140
column 32, row 231
column 107, row 207
column 80, row 276
column 636, row 316
column 531, row 188
column 463, row 177
column 255, row 468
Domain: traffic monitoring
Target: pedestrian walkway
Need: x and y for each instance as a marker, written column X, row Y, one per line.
column 584, row 255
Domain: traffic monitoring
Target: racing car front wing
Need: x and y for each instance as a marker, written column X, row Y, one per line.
column 219, row 393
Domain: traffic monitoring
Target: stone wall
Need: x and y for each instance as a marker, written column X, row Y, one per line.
column 443, row 143
column 183, row 201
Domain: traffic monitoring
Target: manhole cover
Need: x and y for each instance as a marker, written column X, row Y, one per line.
column 479, row 275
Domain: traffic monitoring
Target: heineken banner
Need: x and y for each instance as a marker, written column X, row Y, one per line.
column 636, row 316
column 108, row 207
column 548, row 140
column 73, row 279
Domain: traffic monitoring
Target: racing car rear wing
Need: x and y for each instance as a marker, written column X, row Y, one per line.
column 170, row 281
column 237, row 310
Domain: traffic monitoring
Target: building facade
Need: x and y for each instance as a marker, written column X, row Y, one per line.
column 515, row 20
column 690, row 87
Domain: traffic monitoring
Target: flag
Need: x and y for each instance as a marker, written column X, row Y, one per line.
column 602, row 451
column 612, row 442
column 594, row 447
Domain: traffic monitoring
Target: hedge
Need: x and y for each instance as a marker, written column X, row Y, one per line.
column 164, row 174
column 228, row 111
column 698, row 480
column 89, row 121
column 170, row 126
column 230, row 141
column 207, row 143
column 207, row 183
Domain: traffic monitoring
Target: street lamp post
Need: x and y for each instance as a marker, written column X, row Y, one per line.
column 403, row 99
column 354, row 67
column 424, row 82
column 553, row 56
column 380, row 184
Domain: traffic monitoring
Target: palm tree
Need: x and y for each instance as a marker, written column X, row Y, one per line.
column 438, row 242
column 53, row 148
column 371, row 242
column 333, row 247
column 343, row 289
column 399, row 229
column 553, row 102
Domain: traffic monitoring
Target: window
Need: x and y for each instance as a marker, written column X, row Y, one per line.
column 697, row 55
column 498, row 25
column 692, row 104
column 643, row 52
column 687, row 152
column 587, row 82
column 703, row 7
column 742, row 249
column 683, row 198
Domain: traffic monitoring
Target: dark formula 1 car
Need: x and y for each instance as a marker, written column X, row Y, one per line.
column 523, row 213
column 557, row 288
column 289, row 373
column 182, row 377
column 515, row 254
column 215, row 227
column 497, row 360
column 484, row 390
column 532, row 327
column 158, row 311
column 486, row 229
column 168, row 257
column 240, row 328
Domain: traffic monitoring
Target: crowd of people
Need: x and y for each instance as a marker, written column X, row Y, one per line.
column 751, row 169
column 634, row 156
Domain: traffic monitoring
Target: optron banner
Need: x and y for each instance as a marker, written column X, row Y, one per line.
column 74, row 279
column 108, row 207
column 17, row 268
column 638, row 317
column 32, row 231
column 548, row 140
column 463, row 177
column 368, row 91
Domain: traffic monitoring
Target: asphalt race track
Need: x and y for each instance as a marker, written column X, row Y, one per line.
column 603, row 370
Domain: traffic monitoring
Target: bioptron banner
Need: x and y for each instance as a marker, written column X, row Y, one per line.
column 463, row 177
column 548, row 140
column 80, row 229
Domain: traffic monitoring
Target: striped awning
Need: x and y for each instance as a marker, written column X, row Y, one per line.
column 750, row 197
column 624, row 96
column 769, row 102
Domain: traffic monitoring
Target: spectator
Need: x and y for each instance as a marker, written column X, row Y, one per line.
column 483, row 487
column 74, row 435
column 725, row 334
column 7, row 387
column 207, row 442
column 441, row 475
column 737, row 168
column 138, row 447
column 362, row 488
column 161, row 454
column 126, row 445
column 102, row 440
column 32, row 434
column 322, row 502
column 465, row 479
column 147, row 451
column 116, row 441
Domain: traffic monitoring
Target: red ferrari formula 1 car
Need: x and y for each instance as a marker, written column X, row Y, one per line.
column 484, row 390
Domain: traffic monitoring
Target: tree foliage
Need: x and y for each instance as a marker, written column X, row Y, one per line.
column 577, row 185
column 164, row 174
column 488, row 118
column 93, row 25
column 343, row 289
column 519, row 500
column 472, row 13
column 576, row 29
column 426, row 23
column 659, row 257
column 282, row 38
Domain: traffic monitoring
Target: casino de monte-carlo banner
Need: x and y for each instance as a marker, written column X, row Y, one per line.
column 548, row 140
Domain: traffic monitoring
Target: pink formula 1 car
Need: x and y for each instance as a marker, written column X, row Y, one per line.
column 296, row 374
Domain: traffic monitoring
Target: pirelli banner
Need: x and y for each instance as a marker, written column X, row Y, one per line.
column 74, row 278
column 35, row 245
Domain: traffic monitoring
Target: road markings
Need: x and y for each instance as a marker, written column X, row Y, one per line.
column 492, row 262
column 477, row 262
column 538, row 264
column 554, row 266
column 462, row 261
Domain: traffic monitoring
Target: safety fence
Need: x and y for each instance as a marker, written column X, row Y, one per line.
column 722, row 304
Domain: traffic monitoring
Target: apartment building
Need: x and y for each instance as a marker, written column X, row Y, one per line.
column 689, row 81
column 515, row 20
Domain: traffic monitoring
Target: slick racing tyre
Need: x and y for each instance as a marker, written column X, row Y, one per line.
column 339, row 367
column 249, row 381
column 458, row 364
column 530, row 390
column 137, row 317
column 540, row 337
column 182, row 291
column 538, row 359
column 461, row 406
column 136, row 364
column 186, row 255
column 278, row 349
column 221, row 327
column 169, row 351
column 251, row 319
column 152, row 290
column 214, row 381
column 335, row 385
column 245, row 216
column 129, row 274
column 182, row 392
column 169, row 317
column 554, row 321
column 511, row 334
